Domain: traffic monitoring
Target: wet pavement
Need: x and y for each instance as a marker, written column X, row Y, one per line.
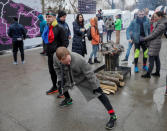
column 24, row 106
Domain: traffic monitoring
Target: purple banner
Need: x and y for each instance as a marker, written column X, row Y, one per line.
column 27, row 16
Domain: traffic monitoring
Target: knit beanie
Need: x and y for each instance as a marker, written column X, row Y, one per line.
column 61, row 13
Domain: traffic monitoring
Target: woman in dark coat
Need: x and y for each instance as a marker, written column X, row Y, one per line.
column 79, row 44
column 154, row 44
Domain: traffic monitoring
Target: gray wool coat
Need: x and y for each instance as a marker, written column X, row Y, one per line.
column 83, row 75
column 154, row 39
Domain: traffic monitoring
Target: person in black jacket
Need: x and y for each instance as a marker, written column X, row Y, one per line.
column 79, row 44
column 54, row 37
column 61, row 19
column 17, row 33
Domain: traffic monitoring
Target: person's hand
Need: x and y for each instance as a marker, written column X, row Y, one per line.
column 69, row 37
column 83, row 29
column 130, row 41
column 141, row 39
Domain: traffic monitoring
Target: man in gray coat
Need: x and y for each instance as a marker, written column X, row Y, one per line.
column 78, row 72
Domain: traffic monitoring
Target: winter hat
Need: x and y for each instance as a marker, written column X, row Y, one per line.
column 61, row 13
column 51, row 13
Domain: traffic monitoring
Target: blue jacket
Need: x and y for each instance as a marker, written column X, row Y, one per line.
column 78, row 44
column 133, row 31
column 66, row 28
column 16, row 30
column 42, row 23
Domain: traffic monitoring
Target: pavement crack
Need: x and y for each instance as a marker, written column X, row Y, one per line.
column 9, row 116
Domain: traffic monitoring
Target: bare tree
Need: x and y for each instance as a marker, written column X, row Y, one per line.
column 43, row 3
column 57, row 5
column 74, row 6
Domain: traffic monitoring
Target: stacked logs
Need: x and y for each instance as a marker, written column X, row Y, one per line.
column 110, row 81
column 111, row 51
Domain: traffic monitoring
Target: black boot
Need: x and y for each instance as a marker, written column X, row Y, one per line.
column 111, row 122
column 96, row 61
column 147, row 75
column 90, row 61
column 156, row 74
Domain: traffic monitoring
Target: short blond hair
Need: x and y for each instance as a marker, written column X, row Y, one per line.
column 62, row 52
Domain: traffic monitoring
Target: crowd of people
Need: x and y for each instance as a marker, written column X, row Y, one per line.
column 68, row 69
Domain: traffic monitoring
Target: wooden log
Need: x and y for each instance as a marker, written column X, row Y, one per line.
column 106, row 92
column 108, row 87
column 102, row 77
column 122, row 84
column 109, row 73
column 109, row 83
column 109, row 90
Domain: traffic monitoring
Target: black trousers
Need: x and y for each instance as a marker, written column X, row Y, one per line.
column 51, row 70
column 44, row 46
column 18, row 45
column 137, row 52
column 153, row 59
column 102, row 98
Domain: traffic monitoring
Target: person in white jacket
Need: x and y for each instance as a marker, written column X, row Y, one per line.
column 100, row 27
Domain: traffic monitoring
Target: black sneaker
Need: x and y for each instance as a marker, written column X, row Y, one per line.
column 66, row 102
column 147, row 75
column 156, row 74
column 111, row 122
column 52, row 91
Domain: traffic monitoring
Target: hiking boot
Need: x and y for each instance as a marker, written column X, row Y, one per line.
column 125, row 59
column 111, row 122
column 156, row 74
column 136, row 69
column 147, row 75
column 60, row 96
column 145, row 68
column 96, row 61
column 66, row 102
column 90, row 61
column 52, row 91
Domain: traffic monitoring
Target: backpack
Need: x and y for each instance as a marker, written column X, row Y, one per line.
column 89, row 33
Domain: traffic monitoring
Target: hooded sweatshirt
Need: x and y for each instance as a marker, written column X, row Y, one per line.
column 94, row 33
column 42, row 23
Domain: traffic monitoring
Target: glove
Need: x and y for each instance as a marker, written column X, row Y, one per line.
column 142, row 39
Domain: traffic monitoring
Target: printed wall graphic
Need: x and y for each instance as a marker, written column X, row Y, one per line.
column 27, row 16
column 87, row 6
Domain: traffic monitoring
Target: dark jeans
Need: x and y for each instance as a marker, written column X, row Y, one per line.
column 18, row 45
column 101, row 37
column 109, row 33
column 52, row 71
column 153, row 59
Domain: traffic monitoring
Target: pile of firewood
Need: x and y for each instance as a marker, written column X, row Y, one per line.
column 110, row 81
column 112, row 48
